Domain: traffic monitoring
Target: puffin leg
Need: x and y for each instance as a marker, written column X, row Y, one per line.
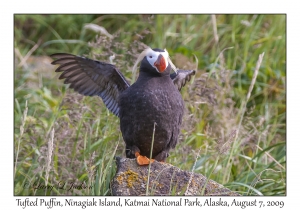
column 142, row 160
column 162, row 156
column 131, row 150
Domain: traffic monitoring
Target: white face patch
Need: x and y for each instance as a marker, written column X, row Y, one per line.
column 152, row 57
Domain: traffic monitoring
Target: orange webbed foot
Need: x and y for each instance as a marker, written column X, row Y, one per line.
column 142, row 160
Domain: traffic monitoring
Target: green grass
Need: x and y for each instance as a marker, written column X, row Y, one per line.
column 245, row 151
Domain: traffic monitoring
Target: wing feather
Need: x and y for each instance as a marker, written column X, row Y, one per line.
column 69, row 73
column 181, row 77
column 91, row 77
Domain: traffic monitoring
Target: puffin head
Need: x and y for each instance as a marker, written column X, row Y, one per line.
column 155, row 61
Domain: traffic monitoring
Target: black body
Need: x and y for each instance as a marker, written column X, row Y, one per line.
column 152, row 99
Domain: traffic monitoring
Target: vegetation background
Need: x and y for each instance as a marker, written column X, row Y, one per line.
column 231, row 133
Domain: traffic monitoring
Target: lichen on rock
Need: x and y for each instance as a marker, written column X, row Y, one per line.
column 164, row 179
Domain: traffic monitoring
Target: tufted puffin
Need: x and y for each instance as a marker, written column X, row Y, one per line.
column 153, row 100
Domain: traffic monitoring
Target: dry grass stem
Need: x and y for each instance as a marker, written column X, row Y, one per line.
column 258, row 178
column 192, row 173
column 260, row 58
column 21, row 134
column 148, row 178
column 215, row 30
column 243, row 108
column 49, row 155
column 216, row 38
column 273, row 159
column 25, row 58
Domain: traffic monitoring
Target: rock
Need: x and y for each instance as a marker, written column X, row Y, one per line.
column 165, row 179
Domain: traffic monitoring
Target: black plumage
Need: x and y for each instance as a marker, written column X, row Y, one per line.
column 153, row 98
column 89, row 77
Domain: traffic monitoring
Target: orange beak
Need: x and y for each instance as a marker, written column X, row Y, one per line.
column 160, row 63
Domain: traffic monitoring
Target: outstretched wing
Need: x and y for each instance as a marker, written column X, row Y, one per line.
column 182, row 77
column 89, row 77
